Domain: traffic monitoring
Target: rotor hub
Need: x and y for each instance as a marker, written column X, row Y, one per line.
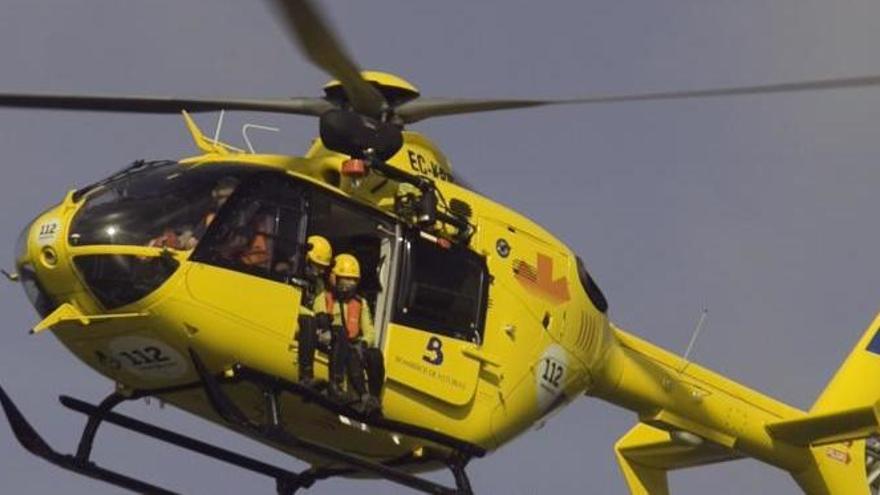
column 395, row 89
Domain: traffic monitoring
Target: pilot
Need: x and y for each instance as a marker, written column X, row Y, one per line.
column 310, row 335
column 354, row 337
column 167, row 239
column 258, row 250
column 219, row 194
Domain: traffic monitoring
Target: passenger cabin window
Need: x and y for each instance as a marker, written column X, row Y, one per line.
column 443, row 290
column 259, row 231
column 368, row 236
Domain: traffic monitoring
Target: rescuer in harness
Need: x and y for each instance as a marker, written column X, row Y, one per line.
column 311, row 335
column 354, row 337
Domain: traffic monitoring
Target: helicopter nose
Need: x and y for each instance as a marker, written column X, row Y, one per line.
column 21, row 246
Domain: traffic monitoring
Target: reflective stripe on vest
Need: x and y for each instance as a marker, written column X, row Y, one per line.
column 352, row 316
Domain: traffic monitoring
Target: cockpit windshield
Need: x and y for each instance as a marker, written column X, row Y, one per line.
column 156, row 204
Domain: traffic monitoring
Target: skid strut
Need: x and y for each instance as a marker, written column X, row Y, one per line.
column 227, row 410
column 270, row 382
column 287, row 482
column 283, row 478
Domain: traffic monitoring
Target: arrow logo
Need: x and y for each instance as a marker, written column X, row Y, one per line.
column 539, row 280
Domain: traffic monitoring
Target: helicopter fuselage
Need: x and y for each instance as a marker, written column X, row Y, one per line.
column 479, row 355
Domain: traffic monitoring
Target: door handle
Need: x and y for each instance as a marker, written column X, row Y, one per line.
column 481, row 356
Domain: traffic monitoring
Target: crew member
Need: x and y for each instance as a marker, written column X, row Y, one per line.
column 354, row 337
column 259, row 248
column 310, row 335
column 219, row 194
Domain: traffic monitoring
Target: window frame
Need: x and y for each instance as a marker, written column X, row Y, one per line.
column 90, row 265
column 246, row 192
column 405, row 282
column 311, row 192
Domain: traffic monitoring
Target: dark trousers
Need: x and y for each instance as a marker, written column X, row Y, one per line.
column 353, row 359
column 307, row 342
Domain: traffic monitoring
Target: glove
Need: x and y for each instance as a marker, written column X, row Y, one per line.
column 324, row 337
column 308, row 298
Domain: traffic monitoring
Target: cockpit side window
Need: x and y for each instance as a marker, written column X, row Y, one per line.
column 156, row 204
column 443, row 290
column 260, row 231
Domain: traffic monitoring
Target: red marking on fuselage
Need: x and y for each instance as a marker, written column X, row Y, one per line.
column 539, row 280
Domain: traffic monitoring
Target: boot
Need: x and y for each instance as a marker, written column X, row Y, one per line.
column 308, row 381
column 336, row 390
column 369, row 405
column 337, row 393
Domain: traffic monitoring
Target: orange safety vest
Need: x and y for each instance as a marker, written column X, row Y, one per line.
column 352, row 314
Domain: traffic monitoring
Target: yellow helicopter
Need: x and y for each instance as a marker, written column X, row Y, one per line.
column 487, row 323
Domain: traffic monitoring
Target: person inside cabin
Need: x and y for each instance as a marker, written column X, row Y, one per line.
column 187, row 237
column 219, row 194
column 406, row 200
column 311, row 335
column 259, row 241
column 354, row 351
column 167, row 239
column 251, row 245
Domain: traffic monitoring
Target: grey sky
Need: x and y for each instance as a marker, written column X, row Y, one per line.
column 761, row 208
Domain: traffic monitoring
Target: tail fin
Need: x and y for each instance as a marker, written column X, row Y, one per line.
column 837, row 469
column 846, row 412
column 855, row 384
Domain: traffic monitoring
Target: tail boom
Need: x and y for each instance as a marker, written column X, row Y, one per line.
column 691, row 416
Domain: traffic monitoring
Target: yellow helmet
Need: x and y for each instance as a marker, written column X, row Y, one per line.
column 320, row 251
column 346, row 265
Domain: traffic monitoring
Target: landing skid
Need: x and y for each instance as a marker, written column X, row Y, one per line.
column 34, row 443
column 287, row 482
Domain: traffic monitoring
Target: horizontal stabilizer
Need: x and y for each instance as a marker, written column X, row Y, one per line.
column 646, row 453
column 828, row 427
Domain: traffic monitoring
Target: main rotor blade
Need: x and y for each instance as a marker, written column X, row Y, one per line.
column 155, row 104
column 321, row 45
column 424, row 108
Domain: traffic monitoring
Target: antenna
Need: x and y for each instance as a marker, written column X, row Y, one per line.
column 244, row 133
column 690, row 347
column 219, row 126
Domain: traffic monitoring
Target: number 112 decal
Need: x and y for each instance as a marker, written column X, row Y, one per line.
column 552, row 372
